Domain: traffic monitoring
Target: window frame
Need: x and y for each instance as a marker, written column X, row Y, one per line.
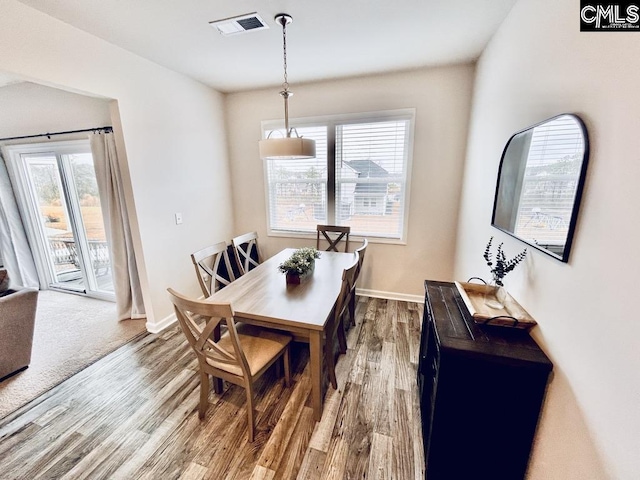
column 330, row 122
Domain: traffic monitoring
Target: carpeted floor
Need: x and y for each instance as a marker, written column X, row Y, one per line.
column 71, row 333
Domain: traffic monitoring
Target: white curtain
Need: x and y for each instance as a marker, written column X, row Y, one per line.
column 116, row 222
column 14, row 246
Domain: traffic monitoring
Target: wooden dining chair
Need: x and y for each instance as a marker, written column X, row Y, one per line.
column 335, row 327
column 240, row 356
column 333, row 234
column 247, row 251
column 213, row 268
column 361, row 251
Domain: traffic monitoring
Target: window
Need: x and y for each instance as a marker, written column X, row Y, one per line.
column 360, row 176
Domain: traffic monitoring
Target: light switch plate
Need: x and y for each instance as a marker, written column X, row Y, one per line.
column 178, row 218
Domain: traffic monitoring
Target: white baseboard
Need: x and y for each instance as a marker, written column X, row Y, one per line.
column 405, row 297
column 166, row 322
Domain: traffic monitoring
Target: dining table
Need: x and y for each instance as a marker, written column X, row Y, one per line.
column 262, row 297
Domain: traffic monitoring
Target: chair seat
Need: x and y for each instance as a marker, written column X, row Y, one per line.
column 260, row 346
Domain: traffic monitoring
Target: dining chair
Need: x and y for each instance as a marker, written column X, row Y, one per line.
column 333, row 234
column 213, row 268
column 246, row 251
column 335, row 326
column 241, row 355
column 361, row 251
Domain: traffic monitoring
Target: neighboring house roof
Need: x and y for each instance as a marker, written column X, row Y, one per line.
column 369, row 169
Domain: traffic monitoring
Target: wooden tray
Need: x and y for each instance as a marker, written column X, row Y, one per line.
column 512, row 315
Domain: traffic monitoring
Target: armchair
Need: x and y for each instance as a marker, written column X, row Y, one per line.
column 17, row 321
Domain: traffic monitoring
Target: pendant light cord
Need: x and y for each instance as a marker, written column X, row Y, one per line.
column 283, row 20
column 285, row 85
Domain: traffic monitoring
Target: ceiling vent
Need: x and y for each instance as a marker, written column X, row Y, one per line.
column 250, row 22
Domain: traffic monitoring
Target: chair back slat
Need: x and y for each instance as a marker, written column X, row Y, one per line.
column 361, row 253
column 348, row 278
column 198, row 320
column 247, row 251
column 213, row 268
column 347, row 286
column 352, row 294
column 333, row 234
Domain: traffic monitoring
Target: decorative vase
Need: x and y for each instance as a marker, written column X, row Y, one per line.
column 495, row 295
column 292, row 278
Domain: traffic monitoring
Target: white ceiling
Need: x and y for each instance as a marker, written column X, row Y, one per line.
column 7, row 79
column 327, row 39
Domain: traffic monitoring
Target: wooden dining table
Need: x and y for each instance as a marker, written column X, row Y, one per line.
column 262, row 297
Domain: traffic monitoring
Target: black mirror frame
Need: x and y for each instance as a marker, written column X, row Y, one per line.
column 578, row 197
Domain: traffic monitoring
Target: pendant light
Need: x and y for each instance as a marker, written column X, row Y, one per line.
column 289, row 147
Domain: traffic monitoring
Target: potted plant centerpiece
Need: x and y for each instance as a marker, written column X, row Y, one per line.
column 299, row 265
column 499, row 268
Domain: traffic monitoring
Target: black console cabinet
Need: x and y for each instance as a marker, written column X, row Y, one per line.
column 481, row 389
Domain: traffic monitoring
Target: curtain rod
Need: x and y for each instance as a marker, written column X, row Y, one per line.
column 107, row 129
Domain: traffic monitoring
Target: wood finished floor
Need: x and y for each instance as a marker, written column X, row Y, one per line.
column 133, row 415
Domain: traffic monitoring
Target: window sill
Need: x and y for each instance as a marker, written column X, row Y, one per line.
column 352, row 238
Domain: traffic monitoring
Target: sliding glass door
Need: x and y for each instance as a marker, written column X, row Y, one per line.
column 60, row 197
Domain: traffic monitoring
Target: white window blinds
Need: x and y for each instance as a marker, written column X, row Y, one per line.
column 297, row 189
column 371, row 172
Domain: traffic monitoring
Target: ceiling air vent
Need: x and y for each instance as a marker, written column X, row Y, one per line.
column 250, row 22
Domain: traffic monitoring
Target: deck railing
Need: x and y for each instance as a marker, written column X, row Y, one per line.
column 65, row 252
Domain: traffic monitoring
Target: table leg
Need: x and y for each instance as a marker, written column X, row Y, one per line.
column 316, row 357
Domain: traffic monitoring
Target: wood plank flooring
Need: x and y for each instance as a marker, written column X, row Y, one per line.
column 133, row 415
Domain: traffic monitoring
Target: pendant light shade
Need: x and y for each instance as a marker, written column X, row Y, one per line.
column 290, row 147
column 287, row 148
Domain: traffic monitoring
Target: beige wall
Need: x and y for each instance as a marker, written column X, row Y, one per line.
column 441, row 97
column 173, row 131
column 539, row 65
column 30, row 109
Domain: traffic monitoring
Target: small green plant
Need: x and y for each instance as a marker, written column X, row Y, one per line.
column 501, row 266
column 300, row 262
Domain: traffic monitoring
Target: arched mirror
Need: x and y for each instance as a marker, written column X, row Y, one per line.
column 540, row 183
